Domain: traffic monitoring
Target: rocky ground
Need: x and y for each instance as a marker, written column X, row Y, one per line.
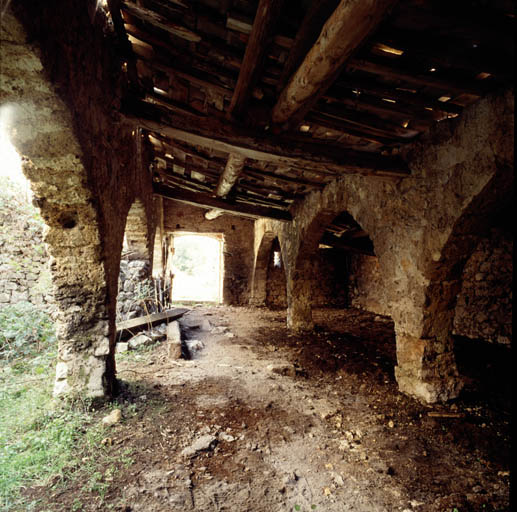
column 261, row 420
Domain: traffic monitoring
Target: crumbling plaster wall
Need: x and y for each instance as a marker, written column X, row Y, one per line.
column 423, row 227
column 238, row 244
column 88, row 182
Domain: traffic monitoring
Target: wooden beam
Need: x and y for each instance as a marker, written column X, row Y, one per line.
column 206, row 201
column 410, row 76
column 158, row 21
column 261, row 34
column 335, row 241
column 322, row 158
column 314, row 19
column 230, row 175
column 345, row 30
column 131, row 327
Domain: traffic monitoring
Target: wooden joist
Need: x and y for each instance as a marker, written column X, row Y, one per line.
column 230, row 175
column 345, row 30
column 204, row 200
column 131, row 327
column 261, row 34
column 335, row 241
column 323, row 158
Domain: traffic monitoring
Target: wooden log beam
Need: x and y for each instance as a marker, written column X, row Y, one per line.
column 230, row 175
column 261, row 34
column 206, row 201
column 314, row 19
column 345, row 30
column 322, row 158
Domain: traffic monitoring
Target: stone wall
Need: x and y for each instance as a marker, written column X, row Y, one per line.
column 238, row 244
column 366, row 289
column 331, row 279
column 484, row 307
column 24, row 262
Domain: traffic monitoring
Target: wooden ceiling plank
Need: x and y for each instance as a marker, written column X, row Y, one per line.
column 350, row 24
column 261, row 34
column 335, row 241
column 203, row 200
column 286, row 179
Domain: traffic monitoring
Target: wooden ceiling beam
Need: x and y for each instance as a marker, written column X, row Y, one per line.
column 322, row 158
column 314, row 19
column 204, row 200
column 260, row 38
column 230, row 175
column 349, row 25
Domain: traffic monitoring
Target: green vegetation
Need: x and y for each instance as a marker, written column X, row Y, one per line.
column 42, row 441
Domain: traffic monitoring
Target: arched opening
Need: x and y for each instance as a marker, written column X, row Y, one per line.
column 136, row 295
column 276, row 287
column 197, row 267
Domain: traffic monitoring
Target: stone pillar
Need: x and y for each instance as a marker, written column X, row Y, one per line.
column 41, row 129
column 426, row 369
column 299, row 298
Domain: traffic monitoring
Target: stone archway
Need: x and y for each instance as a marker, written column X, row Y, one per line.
column 426, row 364
column 259, row 279
column 135, row 295
column 41, row 129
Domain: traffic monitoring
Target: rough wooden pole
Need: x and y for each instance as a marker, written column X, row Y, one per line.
column 230, row 175
column 345, row 30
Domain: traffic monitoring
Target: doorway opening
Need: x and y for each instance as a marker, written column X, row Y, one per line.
column 197, row 266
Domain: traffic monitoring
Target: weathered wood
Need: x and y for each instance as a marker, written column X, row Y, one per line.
column 261, row 34
column 230, row 175
column 314, row 19
column 335, row 241
column 345, row 30
column 321, row 157
column 130, row 327
column 412, row 77
column 197, row 199
column 299, row 181
column 161, row 22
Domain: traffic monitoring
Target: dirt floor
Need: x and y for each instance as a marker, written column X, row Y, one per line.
column 263, row 420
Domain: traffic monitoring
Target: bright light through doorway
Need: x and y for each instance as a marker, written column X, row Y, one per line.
column 197, row 265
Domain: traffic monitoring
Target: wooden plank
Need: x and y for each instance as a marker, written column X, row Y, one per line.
column 206, row 201
column 411, row 76
column 230, row 175
column 158, row 21
column 314, row 19
column 323, row 158
column 342, row 34
column 131, row 327
column 260, row 38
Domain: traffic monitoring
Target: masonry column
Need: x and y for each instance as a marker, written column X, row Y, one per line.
column 299, row 296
